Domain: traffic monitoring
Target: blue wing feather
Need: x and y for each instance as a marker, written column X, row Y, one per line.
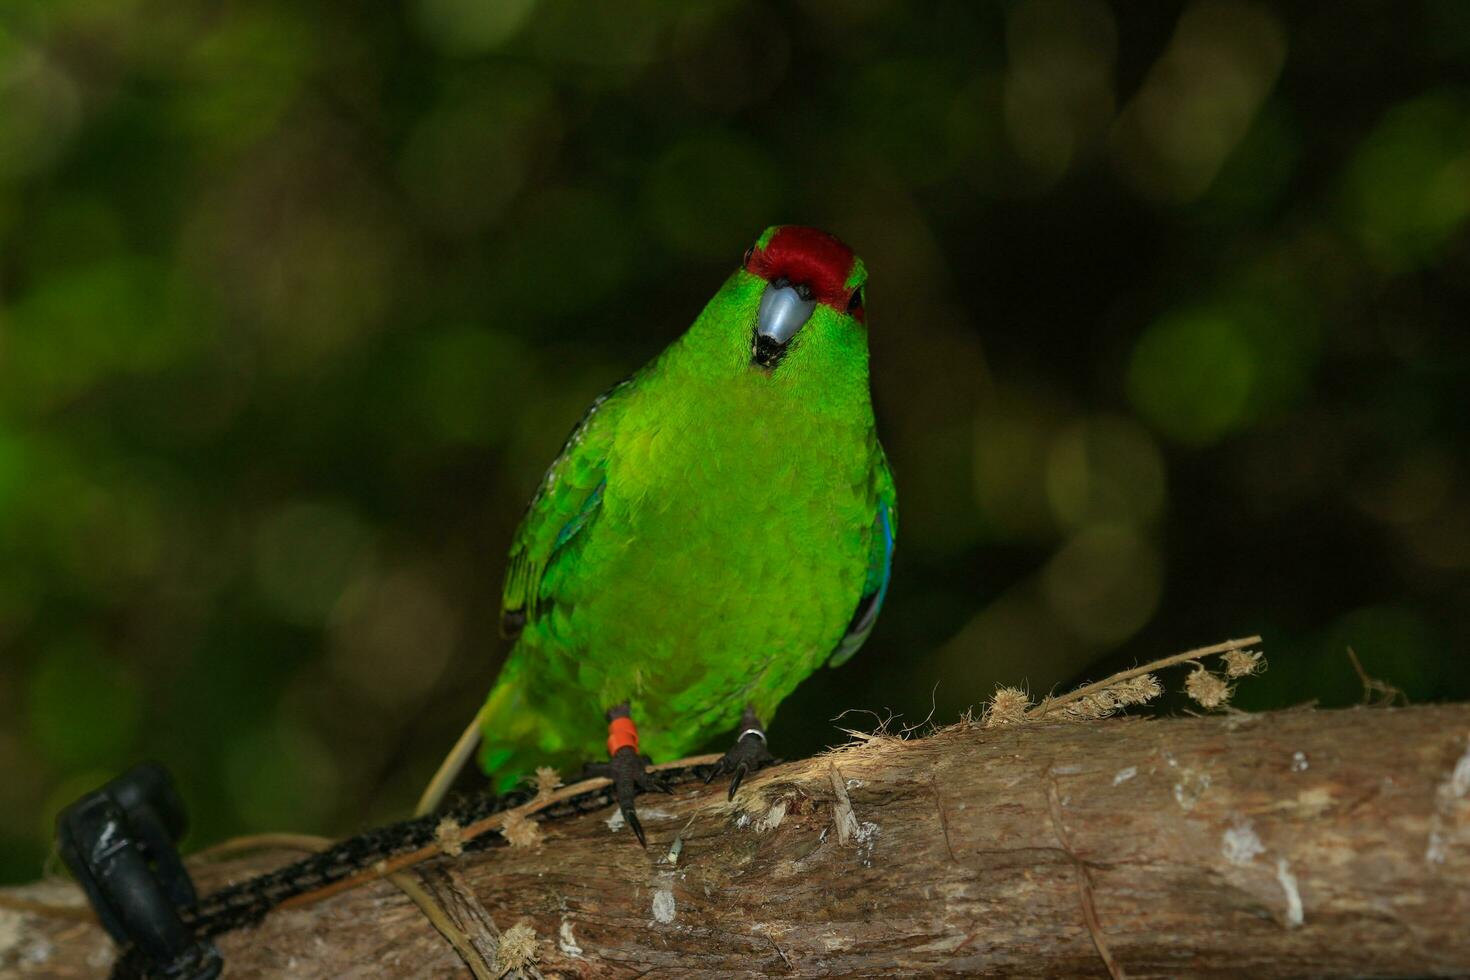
column 866, row 614
column 589, row 507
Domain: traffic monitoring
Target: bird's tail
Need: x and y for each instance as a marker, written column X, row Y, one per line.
column 449, row 769
column 518, row 736
column 513, row 738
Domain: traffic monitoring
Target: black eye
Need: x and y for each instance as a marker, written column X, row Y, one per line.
column 857, row 300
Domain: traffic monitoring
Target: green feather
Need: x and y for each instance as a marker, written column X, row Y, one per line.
column 701, row 544
column 880, row 564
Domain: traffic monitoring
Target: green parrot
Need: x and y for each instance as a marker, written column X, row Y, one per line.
column 716, row 527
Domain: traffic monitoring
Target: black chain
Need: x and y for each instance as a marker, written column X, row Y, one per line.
column 246, row 903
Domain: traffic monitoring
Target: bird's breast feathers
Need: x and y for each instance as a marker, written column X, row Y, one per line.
column 730, row 526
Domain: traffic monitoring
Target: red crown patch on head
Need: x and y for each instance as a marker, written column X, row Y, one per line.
column 809, row 256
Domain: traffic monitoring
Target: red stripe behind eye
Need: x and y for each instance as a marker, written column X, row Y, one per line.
column 810, row 256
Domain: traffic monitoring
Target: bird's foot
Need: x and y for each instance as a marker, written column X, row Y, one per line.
column 627, row 769
column 629, row 774
column 748, row 754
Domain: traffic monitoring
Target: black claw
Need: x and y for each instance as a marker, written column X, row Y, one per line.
column 628, row 772
column 631, row 816
column 740, row 772
column 747, row 755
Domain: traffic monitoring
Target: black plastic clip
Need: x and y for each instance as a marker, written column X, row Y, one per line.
column 120, row 843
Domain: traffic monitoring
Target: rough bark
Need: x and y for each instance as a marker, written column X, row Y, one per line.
column 1291, row 844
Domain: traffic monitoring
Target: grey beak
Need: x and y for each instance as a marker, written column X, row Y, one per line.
column 782, row 313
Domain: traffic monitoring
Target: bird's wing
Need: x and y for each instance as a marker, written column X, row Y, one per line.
column 565, row 504
column 880, row 561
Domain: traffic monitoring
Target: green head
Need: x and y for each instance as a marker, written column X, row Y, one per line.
column 802, row 271
column 792, row 316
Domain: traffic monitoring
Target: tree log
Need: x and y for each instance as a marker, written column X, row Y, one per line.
column 1290, row 844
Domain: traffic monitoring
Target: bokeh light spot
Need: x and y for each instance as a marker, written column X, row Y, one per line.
column 1105, row 583
column 85, row 707
column 1105, row 469
column 1059, row 81
column 902, row 117
column 280, row 775
column 305, row 555
column 1199, row 99
column 122, row 314
column 467, row 159
column 39, row 109
column 1013, row 434
column 244, row 74
column 1407, row 190
column 1191, row 375
column 709, row 193
column 464, row 27
column 606, row 35
column 393, row 636
column 1401, row 645
column 465, row 383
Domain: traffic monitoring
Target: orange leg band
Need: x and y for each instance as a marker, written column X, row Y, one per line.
column 621, row 733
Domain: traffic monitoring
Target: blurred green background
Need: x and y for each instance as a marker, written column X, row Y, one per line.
column 298, row 299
